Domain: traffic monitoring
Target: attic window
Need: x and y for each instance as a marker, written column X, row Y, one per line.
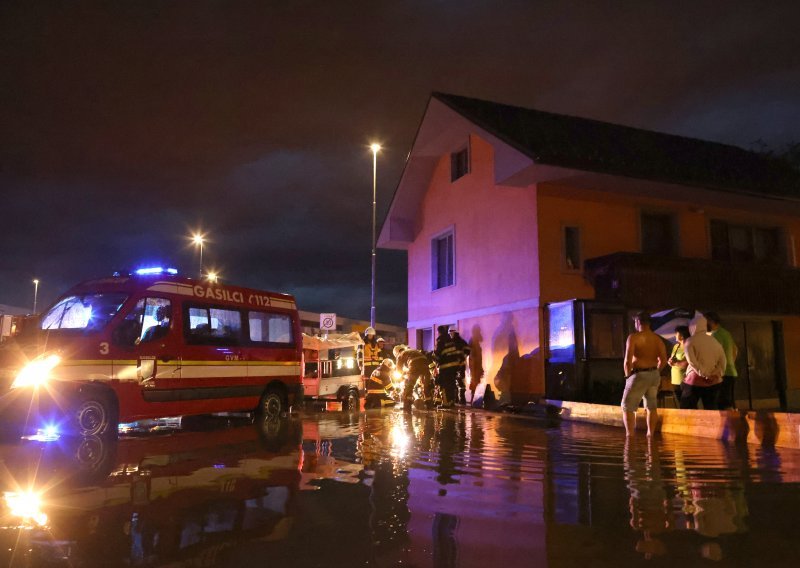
column 459, row 163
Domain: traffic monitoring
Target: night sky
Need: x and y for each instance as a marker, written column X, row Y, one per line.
column 125, row 126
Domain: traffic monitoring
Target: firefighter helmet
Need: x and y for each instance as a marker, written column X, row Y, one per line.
column 369, row 331
column 388, row 363
column 398, row 350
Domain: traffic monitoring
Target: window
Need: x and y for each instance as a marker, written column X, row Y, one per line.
column 606, row 336
column 90, row 312
column 214, row 326
column 459, row 164
column 148, row 321
column 742, row 243
column 425, row 339
column 442, row 261
column 659, row 234
column 571, row 246
column 270, row 328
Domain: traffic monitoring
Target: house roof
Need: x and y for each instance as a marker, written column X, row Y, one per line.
column 533, row 146
column 601, row 147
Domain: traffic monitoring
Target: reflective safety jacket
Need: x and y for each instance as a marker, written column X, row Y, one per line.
column 452, row 352
column 380, row 380
column 372, row 358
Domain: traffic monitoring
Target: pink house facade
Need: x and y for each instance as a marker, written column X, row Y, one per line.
column 500, row 208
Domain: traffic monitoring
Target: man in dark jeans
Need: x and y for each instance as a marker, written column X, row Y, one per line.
column 706, row 360
column 727, row 398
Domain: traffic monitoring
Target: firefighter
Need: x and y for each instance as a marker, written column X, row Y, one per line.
column 415, row 364
column 451, row 356
column 382, row 351
column 371, row 357
column 379, row 385
column 463, row 350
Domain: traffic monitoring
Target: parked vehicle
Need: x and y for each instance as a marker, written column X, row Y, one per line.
column 331, row 370
column 151, row 344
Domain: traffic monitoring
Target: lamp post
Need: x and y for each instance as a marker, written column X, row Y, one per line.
column 35, row 293
column 375, row 149
column 198, row 240
column 212, row 276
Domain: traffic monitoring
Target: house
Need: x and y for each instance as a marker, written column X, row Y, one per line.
column 539, row 234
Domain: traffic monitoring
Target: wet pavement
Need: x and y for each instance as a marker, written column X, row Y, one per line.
column 381, row 488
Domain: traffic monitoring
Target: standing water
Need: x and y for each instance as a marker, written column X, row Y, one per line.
column 382, row 488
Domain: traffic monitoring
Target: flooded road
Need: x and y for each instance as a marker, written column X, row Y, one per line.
column 381, row 488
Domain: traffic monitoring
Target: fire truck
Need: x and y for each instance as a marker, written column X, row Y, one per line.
column 150, row 344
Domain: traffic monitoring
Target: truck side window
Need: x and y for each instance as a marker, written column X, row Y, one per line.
column 271, row 328
column 157, row 319
column 215, row 326
column 129, row 330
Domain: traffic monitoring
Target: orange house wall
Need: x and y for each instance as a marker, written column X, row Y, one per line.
column 609, row 223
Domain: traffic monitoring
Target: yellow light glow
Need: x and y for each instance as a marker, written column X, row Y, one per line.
column 27, row 505
column 400, row 438
column 36, row 373
column 212, row 277
column 198, row 239
column 35, row 281
column 375, row 148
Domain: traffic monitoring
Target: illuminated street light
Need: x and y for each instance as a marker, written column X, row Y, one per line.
column 35, row 293
column 198, row 241
column 212, row 276
column 375, row 149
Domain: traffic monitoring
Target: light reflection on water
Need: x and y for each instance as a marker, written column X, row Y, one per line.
column 384, row 488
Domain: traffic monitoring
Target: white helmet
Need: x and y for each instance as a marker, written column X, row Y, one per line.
column 398, row 350
column 369, row 331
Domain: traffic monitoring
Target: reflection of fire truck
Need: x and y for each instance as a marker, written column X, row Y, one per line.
column 150, row 344
column 184, row 497
column 331, row 370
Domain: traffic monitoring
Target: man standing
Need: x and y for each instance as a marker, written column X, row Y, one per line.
column 645, row 355
column 727, row 398
column 706, row 359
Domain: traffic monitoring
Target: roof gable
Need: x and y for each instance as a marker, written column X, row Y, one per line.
column 601, row 147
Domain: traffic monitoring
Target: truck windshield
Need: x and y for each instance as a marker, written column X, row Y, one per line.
column 90, row 312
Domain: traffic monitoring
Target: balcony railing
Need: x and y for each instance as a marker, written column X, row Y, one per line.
column 651, row 282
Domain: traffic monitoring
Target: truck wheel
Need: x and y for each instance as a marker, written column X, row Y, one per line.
column 351, row 401
column 94, row 415
column 272, row 404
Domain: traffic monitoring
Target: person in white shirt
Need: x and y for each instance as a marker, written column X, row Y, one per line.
column 707, row 361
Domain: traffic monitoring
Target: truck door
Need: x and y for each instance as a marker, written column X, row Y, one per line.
column 150, row 330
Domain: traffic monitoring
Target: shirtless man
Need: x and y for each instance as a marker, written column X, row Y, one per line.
column 645, row 355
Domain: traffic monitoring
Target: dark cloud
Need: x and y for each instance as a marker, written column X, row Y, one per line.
column 124, row 126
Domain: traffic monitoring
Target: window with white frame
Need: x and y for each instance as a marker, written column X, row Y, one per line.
column 443, row 260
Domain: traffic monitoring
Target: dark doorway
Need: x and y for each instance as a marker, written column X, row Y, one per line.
column 759, row 382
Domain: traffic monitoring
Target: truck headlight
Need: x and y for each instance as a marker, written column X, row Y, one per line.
column 36, row 373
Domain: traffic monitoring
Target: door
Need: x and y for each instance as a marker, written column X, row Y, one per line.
column 757, row 384
column 156, row 347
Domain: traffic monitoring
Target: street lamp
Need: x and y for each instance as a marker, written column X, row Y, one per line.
column 375, row 149
column 35, row 293
column 198, row 240
column 212, row 276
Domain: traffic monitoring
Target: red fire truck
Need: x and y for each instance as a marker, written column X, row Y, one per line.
column 150, row 344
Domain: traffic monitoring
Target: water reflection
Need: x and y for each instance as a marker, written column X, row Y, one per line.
column 384, row 488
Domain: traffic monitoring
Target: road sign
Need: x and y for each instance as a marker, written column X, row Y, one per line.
column 327, row 322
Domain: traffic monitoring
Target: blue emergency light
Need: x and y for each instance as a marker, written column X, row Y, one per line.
column 156, row 270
